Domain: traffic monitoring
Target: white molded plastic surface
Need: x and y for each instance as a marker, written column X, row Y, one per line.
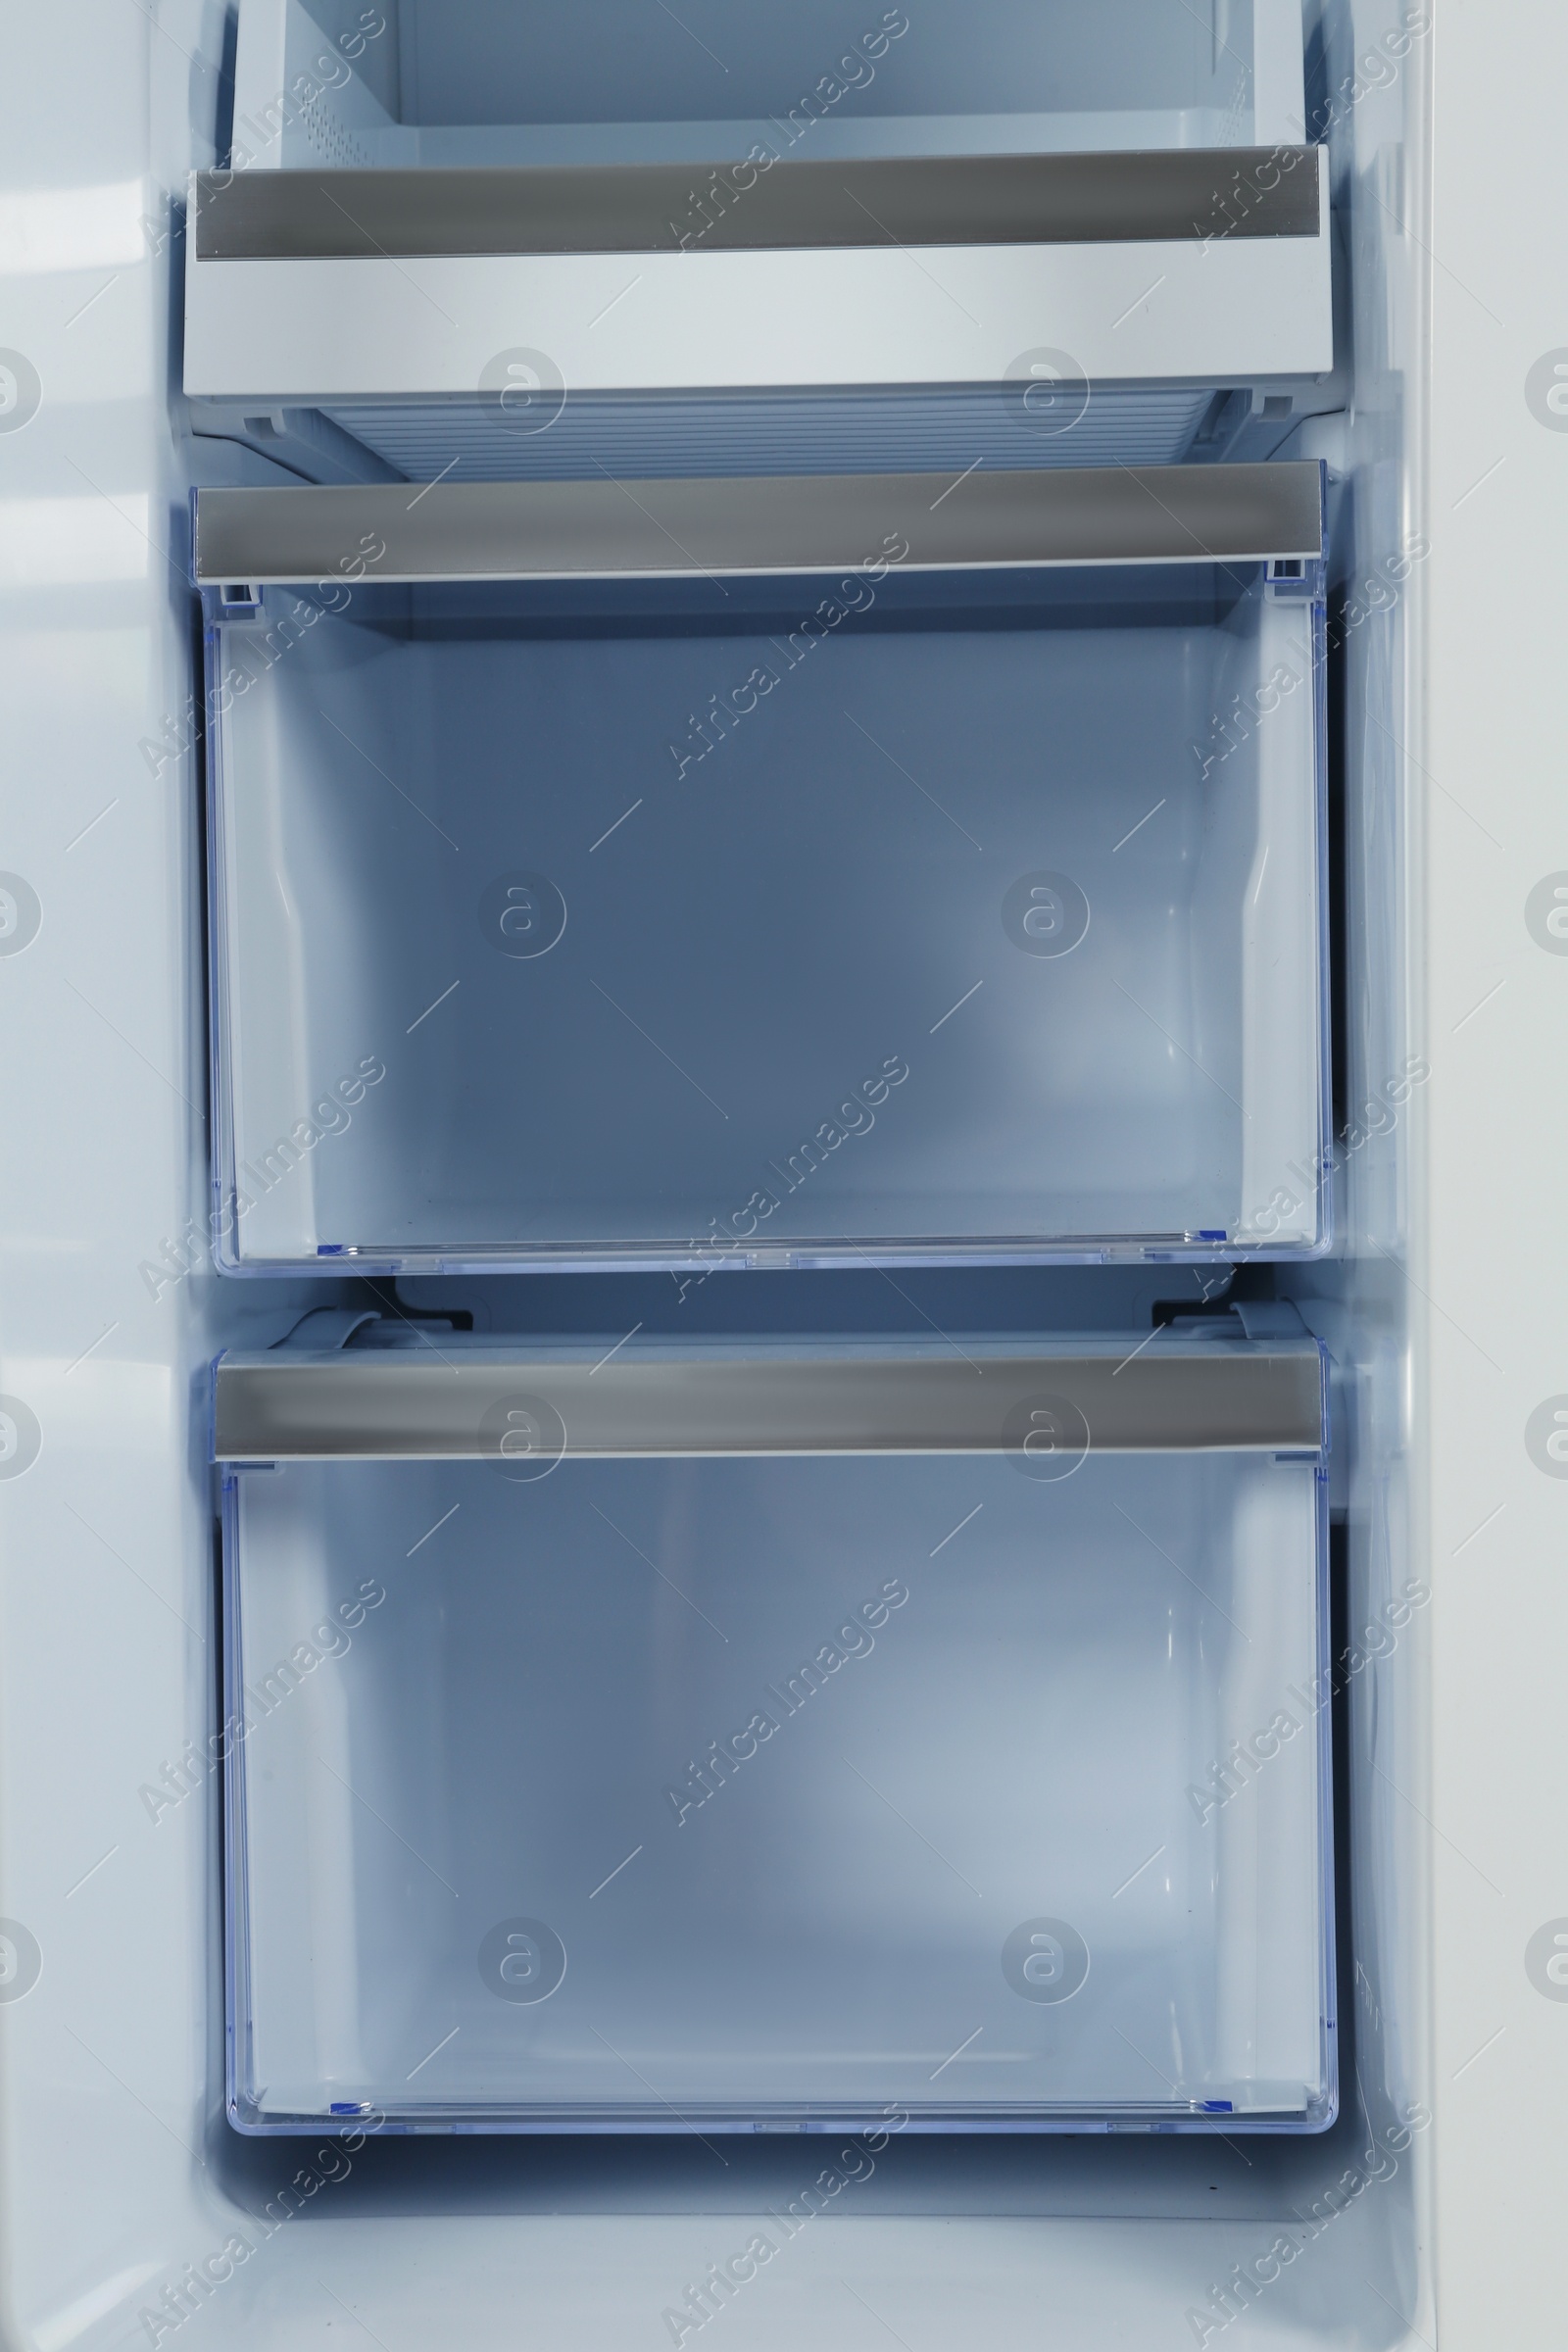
column 323, row 331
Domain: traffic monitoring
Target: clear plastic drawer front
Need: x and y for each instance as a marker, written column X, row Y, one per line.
column 580, row 1782
column 869, row 868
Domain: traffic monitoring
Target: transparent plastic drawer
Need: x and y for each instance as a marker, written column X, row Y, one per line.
column 464, row 83
column 470, row 241
column 882, row 867
column 756, row 1737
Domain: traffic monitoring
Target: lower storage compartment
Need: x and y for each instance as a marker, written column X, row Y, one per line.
column 588, row 1782
column 893, row 912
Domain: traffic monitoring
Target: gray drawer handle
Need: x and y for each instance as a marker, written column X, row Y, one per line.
column 795, row 523
column 415, row 1404
column 1157, row 197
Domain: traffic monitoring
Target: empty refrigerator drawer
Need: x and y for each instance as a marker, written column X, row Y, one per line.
column 462, row 235
column 880, row 865
column 698, row 1741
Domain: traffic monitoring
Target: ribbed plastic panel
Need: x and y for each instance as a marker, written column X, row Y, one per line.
column 751, row 433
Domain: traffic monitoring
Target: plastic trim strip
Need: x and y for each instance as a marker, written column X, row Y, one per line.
column 515, row 1407
column 1162, row 196
column 769, row 523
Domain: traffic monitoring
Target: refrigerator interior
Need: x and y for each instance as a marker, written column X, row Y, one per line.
column 126, row 2190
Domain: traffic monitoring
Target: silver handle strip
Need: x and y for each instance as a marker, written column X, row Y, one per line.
column 1157, row 197
column 784, row 525
column 398, row 1406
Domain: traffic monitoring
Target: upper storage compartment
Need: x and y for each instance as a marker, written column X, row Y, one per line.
column 874, row 868
column 632, row 81
column 525, row 240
